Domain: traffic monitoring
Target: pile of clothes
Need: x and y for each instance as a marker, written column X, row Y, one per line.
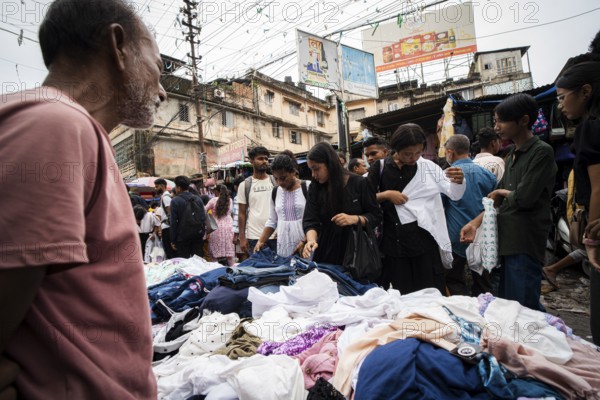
column 312, row 332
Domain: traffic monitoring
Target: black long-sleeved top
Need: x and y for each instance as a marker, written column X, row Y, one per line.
column 358, row 199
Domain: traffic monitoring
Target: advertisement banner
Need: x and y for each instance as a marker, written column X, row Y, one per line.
column 234, row 151
column 317, row 61
column 422, row 36
column 358, row 68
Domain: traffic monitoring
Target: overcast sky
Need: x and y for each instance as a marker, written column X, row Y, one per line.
column 237, row 35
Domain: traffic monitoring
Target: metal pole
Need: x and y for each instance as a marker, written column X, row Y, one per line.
column 343, row 125
column 192, row 31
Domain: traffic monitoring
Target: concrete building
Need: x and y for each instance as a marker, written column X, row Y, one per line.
column 236, row 115
column 496, row 72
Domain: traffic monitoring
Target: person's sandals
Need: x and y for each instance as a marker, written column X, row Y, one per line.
column 550, row 280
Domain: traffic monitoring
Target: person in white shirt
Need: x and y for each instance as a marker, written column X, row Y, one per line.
column 165, row 228
column 489, row 141
column 255, row 202
column 147, row 225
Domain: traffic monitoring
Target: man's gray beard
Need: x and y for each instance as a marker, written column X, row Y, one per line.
column 137, row 111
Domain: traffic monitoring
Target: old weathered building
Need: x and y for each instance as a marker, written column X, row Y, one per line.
column 236, row 115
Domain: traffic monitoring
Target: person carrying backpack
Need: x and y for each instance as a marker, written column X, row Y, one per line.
column 187, row 220
column 287, row 207
column 253, row 201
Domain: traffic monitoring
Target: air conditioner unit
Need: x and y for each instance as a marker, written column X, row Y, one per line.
column 220, row 93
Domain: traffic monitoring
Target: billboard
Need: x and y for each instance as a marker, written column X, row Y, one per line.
column 422, row 37
column 358, row 69
column 318, row 61
column 319, row 66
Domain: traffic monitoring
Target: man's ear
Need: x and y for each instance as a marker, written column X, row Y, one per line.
column 524, row 121
column 116, row 40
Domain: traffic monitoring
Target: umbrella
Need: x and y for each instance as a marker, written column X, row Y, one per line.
column 146, row 184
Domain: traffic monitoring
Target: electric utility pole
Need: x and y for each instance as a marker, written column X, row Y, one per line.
column 191, row 14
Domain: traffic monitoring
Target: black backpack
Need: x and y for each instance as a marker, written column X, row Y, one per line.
column 191, row 222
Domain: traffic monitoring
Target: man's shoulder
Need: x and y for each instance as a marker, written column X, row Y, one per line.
column 47, row 105
column 543, row 147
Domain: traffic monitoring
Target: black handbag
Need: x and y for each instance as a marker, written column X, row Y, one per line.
column 362, row 258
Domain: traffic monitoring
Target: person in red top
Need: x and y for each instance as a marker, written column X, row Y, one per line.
column 74, row 314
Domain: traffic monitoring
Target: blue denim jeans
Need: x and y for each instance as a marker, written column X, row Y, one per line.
column 521, row 280
column 271, row 243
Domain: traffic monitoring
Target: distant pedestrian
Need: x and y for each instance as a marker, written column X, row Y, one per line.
column 480, row 182
column 490, row 142
column 220, row 242
column 147, row 225
column 136, row 199
column 165, row 216
column 357, row 166
column 187, row 220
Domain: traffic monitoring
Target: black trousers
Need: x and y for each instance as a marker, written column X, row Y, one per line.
column 189, row 248
column 456, row 282
column 409, row 274
column 143, row 239
column 166, row 241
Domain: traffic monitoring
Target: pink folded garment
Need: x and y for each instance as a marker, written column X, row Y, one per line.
column 320, row 360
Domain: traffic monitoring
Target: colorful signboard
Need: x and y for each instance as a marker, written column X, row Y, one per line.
column 421, row 37
column 319, row 66
column 318, row 61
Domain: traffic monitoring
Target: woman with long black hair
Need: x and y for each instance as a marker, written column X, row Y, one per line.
column 337, row 200
column 220, row 242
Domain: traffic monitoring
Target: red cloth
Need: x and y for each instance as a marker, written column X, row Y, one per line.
column 87, row 333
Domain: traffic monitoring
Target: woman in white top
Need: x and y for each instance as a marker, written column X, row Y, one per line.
column 287, row 207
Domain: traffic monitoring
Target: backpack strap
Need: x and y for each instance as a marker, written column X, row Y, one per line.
column 247, row 186
column 274, row 193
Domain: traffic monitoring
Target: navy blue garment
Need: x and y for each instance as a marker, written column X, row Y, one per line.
column 411, row 369
column 177, row 300
column 178, row 293
column 165, row 288
column 211, row 278
column 227, row 300
column 264, row 259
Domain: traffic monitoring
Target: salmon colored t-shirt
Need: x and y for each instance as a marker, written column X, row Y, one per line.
column 87, row 334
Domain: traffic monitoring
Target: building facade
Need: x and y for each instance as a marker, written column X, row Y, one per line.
column 236, row 115
column 495, row 72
